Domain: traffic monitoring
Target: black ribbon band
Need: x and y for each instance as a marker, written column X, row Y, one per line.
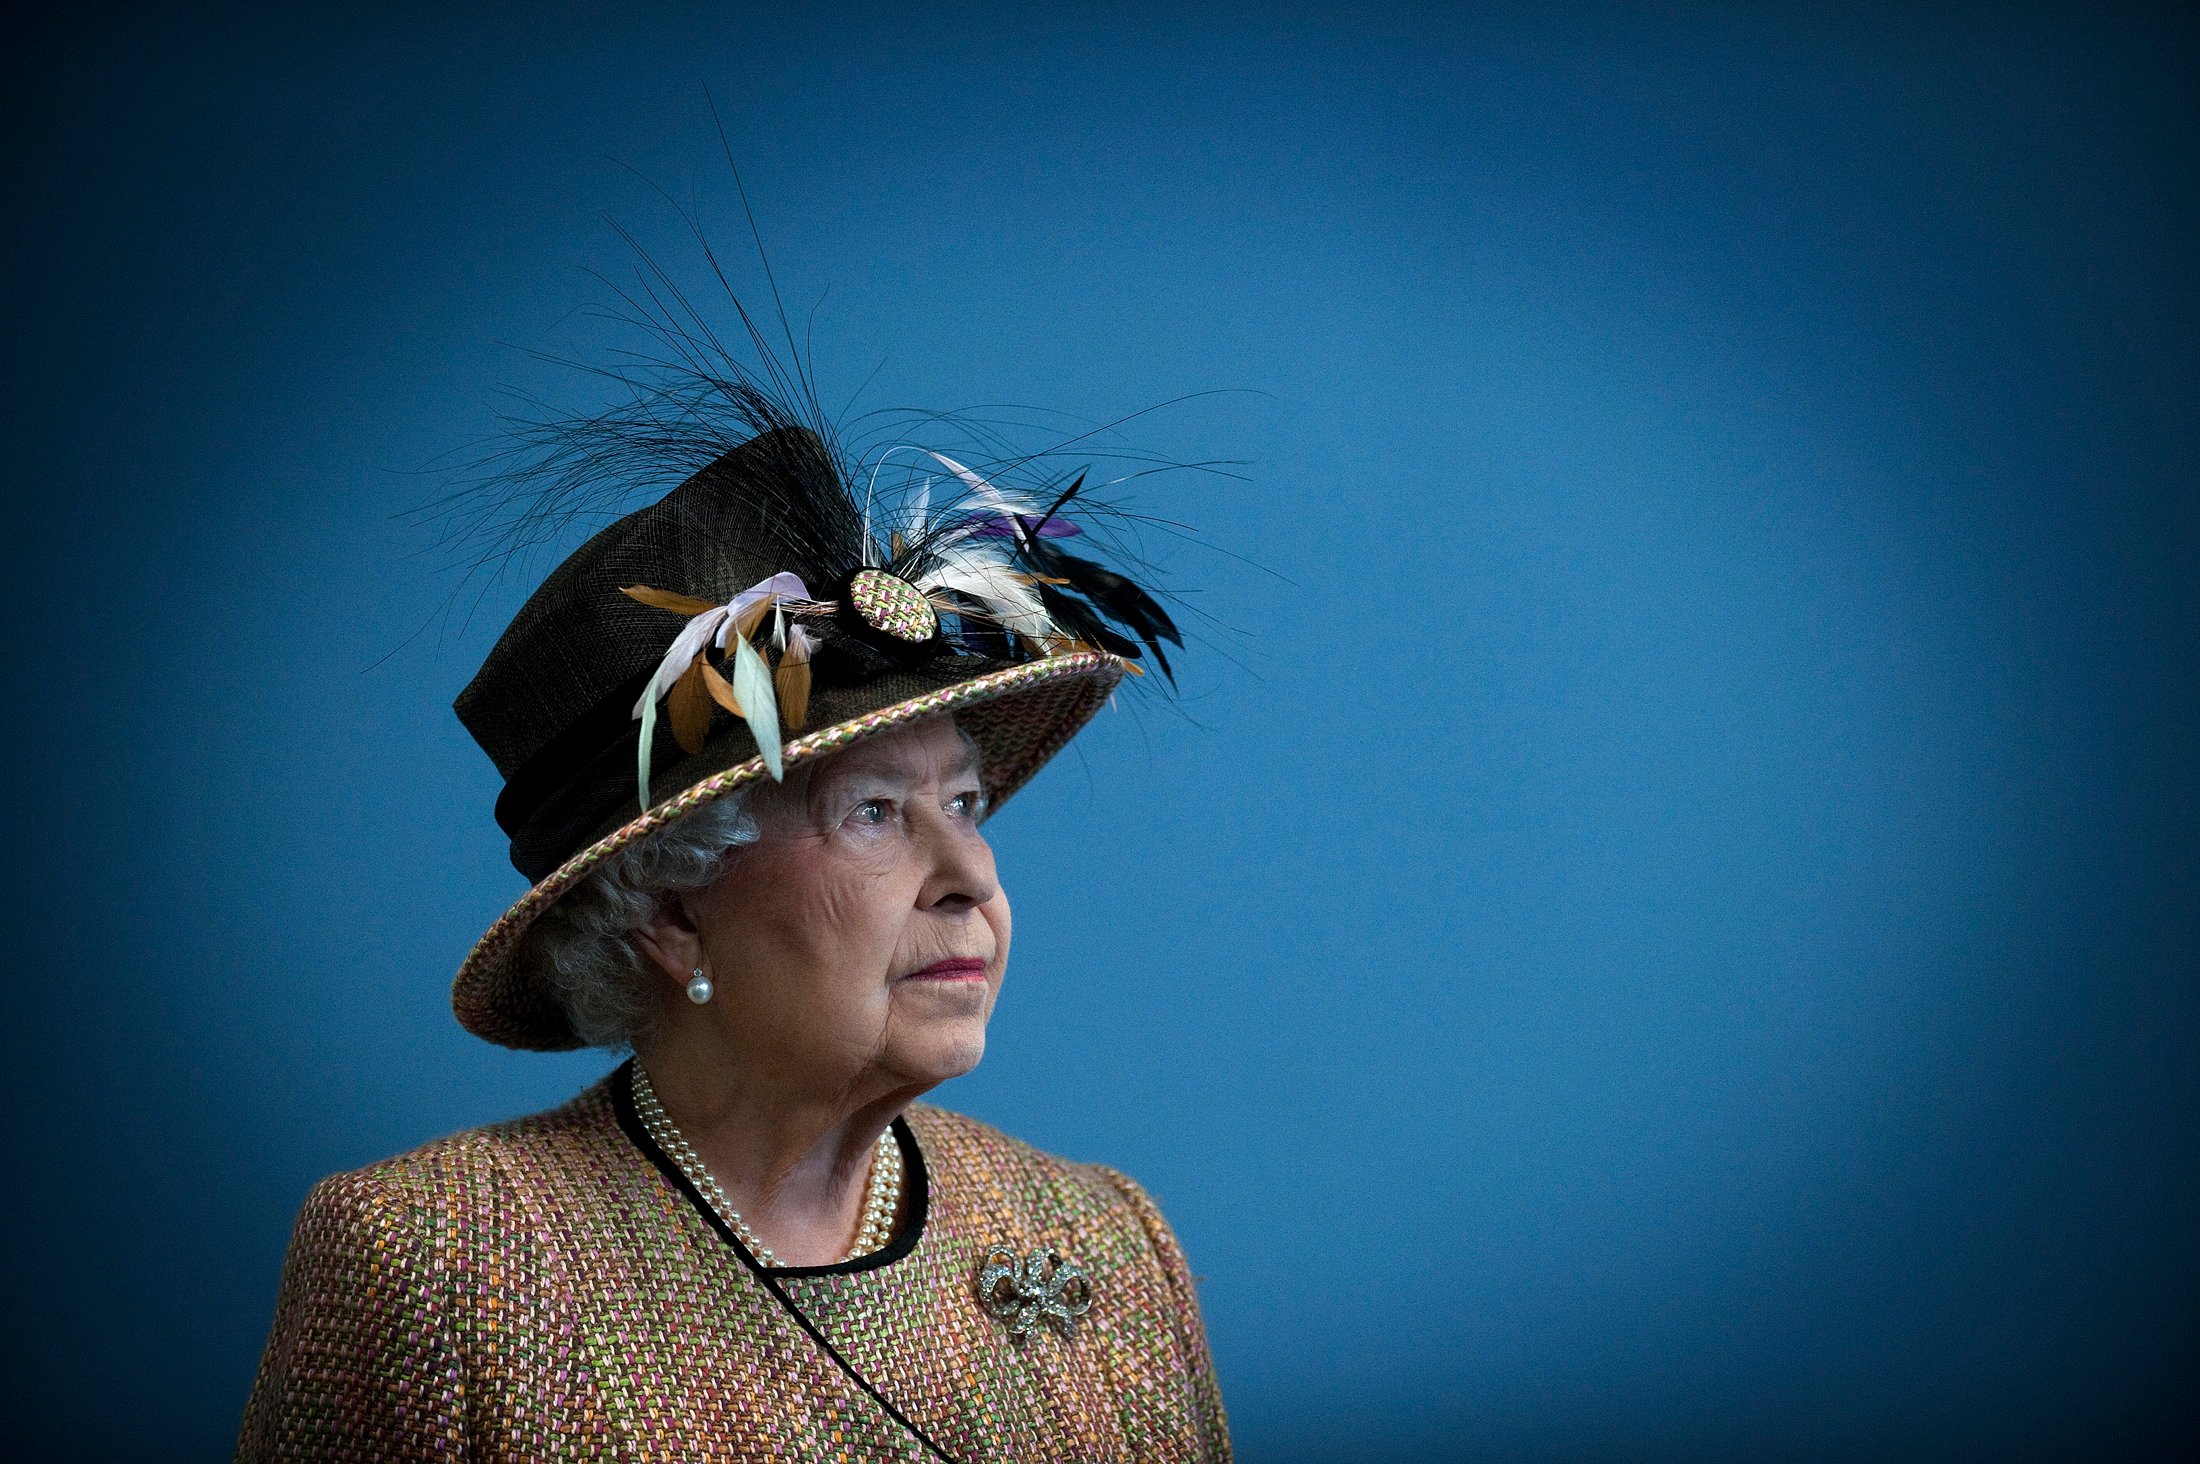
column 557, row 796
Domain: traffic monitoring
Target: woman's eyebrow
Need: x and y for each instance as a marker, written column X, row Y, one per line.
column 897, row 775
column 844, row 782
column 873, row 777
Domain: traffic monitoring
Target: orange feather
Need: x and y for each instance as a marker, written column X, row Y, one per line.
column 667, row 600
column 687, row 706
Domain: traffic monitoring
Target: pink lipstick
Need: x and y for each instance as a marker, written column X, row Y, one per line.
column 959, row 968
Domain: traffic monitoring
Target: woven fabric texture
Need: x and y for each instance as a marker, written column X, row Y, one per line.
column 539, row 1290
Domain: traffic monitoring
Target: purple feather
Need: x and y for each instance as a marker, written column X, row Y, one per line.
column 1000, row 527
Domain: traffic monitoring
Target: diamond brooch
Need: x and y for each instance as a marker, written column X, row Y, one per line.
column 1041, row 1286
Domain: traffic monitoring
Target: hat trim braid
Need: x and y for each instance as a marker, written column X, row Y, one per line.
column 491, row 996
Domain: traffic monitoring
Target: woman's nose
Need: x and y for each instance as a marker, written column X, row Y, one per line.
column 962, row 875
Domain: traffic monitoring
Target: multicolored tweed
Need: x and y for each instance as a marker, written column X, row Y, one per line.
column 542, row 1289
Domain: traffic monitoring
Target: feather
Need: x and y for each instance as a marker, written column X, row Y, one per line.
column 687, row 647
column 792, row 681
column 1079, row 618
column 688, row 706
column 1003, row 505
column 749, row 606
column 712, row 625
column 1114, row 595
column 1017, row 525
column 1120, row 597
column 649, row 736
column 971, row 480
column 752, row 684
column 667, row 600
column 745, row 621
column 1028, row 529
column 721, row 690
column 996, row 584
column 920, row 513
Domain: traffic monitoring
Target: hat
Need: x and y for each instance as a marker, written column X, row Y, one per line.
column 757, row 617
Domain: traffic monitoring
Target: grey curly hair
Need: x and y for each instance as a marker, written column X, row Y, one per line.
column 584, row 944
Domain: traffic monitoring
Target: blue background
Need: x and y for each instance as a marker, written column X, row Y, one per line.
column 1667, row 927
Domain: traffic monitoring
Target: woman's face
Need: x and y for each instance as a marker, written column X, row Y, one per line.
column 865, row 934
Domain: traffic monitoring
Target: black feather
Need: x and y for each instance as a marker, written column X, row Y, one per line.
column 1111, row 594
column 1121, row 598
column 1082, row 621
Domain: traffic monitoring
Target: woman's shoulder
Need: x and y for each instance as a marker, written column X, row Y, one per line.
column 469, row 1168
column 968, row 1151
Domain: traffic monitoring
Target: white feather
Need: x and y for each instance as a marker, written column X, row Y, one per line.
column 1008, row 505
column 920, row 512
column 977, row 484
column 994, row 583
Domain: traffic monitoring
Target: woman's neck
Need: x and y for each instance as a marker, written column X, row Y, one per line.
column 793, row 1160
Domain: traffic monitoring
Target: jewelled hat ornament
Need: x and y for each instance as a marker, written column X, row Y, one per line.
column 761, row 614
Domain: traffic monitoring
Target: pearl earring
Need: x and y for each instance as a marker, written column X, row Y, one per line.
column 699, row 987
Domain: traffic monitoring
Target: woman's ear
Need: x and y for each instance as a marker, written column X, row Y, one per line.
column 669, row 938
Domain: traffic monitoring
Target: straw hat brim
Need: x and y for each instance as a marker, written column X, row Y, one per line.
column 1020, row 716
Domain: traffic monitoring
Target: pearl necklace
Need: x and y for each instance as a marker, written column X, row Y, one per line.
column 882, row 1193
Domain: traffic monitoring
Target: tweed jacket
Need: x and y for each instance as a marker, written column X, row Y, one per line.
column 552, row 1288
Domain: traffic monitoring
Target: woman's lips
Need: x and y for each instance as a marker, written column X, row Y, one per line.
column 962, row 968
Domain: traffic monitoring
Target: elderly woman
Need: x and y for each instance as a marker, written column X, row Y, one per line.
column 749, row 735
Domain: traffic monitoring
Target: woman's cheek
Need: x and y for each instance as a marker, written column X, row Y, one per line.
column 997, row 916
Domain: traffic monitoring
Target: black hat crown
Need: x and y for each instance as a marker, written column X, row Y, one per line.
column 568, row 694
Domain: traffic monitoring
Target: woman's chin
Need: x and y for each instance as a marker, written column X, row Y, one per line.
column 941, row 1051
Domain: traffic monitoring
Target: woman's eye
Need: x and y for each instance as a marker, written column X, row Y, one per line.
column 967, row 805
column 870, row 811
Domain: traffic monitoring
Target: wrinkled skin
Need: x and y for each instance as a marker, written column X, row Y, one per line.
column 870, row 869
